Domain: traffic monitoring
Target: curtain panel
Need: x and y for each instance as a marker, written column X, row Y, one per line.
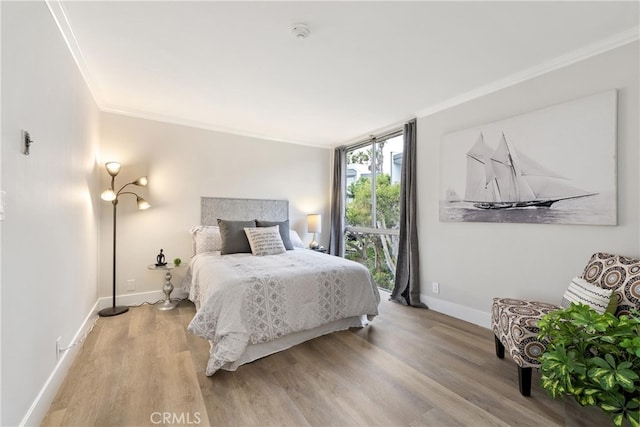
column 336, row 233
column 407, row 281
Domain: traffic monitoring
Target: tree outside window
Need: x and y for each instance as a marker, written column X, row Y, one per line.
column 372, row 210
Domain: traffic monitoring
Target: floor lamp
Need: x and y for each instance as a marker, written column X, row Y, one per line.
column 112, row 196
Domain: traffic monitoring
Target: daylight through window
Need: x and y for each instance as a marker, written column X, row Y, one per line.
column 372, row 209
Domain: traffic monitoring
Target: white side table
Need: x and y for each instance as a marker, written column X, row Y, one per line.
column 167, row 304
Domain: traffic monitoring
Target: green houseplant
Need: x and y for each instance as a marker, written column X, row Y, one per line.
column 594, row 358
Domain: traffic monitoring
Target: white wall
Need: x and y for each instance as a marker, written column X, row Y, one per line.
column 475, row 262
column 183, row 164
column 49, row 234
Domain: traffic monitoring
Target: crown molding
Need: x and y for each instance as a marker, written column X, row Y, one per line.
column 62, row 21
column 205, row 126
column 629, row 36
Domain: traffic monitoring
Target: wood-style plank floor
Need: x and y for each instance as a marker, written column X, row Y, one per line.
column 409, row 367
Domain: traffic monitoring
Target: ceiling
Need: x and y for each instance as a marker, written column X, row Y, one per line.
column 366, row 66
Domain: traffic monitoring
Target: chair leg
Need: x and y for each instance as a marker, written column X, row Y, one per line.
column 499, row 348
column 524, row 378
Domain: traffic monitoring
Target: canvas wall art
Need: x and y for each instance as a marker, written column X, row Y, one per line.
column 556, row 165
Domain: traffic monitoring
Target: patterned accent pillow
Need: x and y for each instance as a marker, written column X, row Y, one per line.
column 581, row 291
column 265, row 240
column 284, row 231
column 205, row 238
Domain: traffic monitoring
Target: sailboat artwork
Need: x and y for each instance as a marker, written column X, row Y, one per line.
column 554, row 165
column 506, row 179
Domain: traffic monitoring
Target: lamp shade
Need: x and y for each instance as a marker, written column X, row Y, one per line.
column 108, row 195
column 142, row 181
column 314, row 223
column 142, row 203
column 113, row 168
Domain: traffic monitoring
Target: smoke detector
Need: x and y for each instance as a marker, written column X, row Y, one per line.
column 300, row 31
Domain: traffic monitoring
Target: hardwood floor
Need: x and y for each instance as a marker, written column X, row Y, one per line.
column 409, row 367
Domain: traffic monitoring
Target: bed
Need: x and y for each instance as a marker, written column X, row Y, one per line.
column 250, row 306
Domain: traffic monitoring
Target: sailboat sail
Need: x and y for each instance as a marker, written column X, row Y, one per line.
column 503, row 179
column 513, row 187
column 480, row 176
column 532, row 168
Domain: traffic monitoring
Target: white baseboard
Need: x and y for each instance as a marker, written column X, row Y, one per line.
column 43, row 400
column 132, row 299
column 471, row 315
column 139, row 298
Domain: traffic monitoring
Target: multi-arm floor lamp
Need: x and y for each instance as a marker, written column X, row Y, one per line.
column 112, row 196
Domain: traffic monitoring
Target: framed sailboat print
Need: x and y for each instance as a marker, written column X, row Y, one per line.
column 556, row 165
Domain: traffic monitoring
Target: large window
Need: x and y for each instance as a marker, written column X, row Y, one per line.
column 372, row 209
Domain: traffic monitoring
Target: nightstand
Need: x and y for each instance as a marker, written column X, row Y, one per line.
column 320, row 249
column 167, row 304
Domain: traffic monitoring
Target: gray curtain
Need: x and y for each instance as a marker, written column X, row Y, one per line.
column 407, row 283
column 336, row 235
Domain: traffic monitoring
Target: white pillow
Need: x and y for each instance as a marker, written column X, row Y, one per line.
column 265, row 240
column 206, row 238
column 581, row 291
column 296, row 241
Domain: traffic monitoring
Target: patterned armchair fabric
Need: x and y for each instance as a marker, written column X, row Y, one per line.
column 514, row 321
column 618, row 273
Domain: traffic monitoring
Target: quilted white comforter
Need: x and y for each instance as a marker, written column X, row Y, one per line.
column 243, row 299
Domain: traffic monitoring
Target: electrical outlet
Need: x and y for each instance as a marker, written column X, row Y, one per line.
column 58, row 346
column 131, row 285
column 435, row 287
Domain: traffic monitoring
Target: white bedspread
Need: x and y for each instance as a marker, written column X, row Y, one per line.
column 243, row 299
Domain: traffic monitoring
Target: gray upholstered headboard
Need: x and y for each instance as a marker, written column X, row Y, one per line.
column 212, row 208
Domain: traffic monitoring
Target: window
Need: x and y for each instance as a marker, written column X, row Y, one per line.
column 372, row 208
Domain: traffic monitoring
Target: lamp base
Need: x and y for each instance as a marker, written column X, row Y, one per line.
column 168, row 305
column 113, row 311
column 314, row 244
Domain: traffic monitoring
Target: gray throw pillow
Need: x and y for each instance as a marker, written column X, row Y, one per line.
column 283, row 226
column 234, row 239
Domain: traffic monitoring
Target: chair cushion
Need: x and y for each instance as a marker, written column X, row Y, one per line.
column 618, row 273
column 515, row 323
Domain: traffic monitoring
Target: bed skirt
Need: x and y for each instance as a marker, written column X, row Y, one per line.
column 258, row 351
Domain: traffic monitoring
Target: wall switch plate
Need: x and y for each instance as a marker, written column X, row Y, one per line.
column 26, row 138
column 131, row 285
column 435, row 287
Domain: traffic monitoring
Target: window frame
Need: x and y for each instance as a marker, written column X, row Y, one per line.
column 373, row 142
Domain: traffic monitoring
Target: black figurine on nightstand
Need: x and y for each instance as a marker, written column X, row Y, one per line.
column 160, row 259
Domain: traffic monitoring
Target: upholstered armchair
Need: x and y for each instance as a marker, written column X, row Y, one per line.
column 514, row 322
